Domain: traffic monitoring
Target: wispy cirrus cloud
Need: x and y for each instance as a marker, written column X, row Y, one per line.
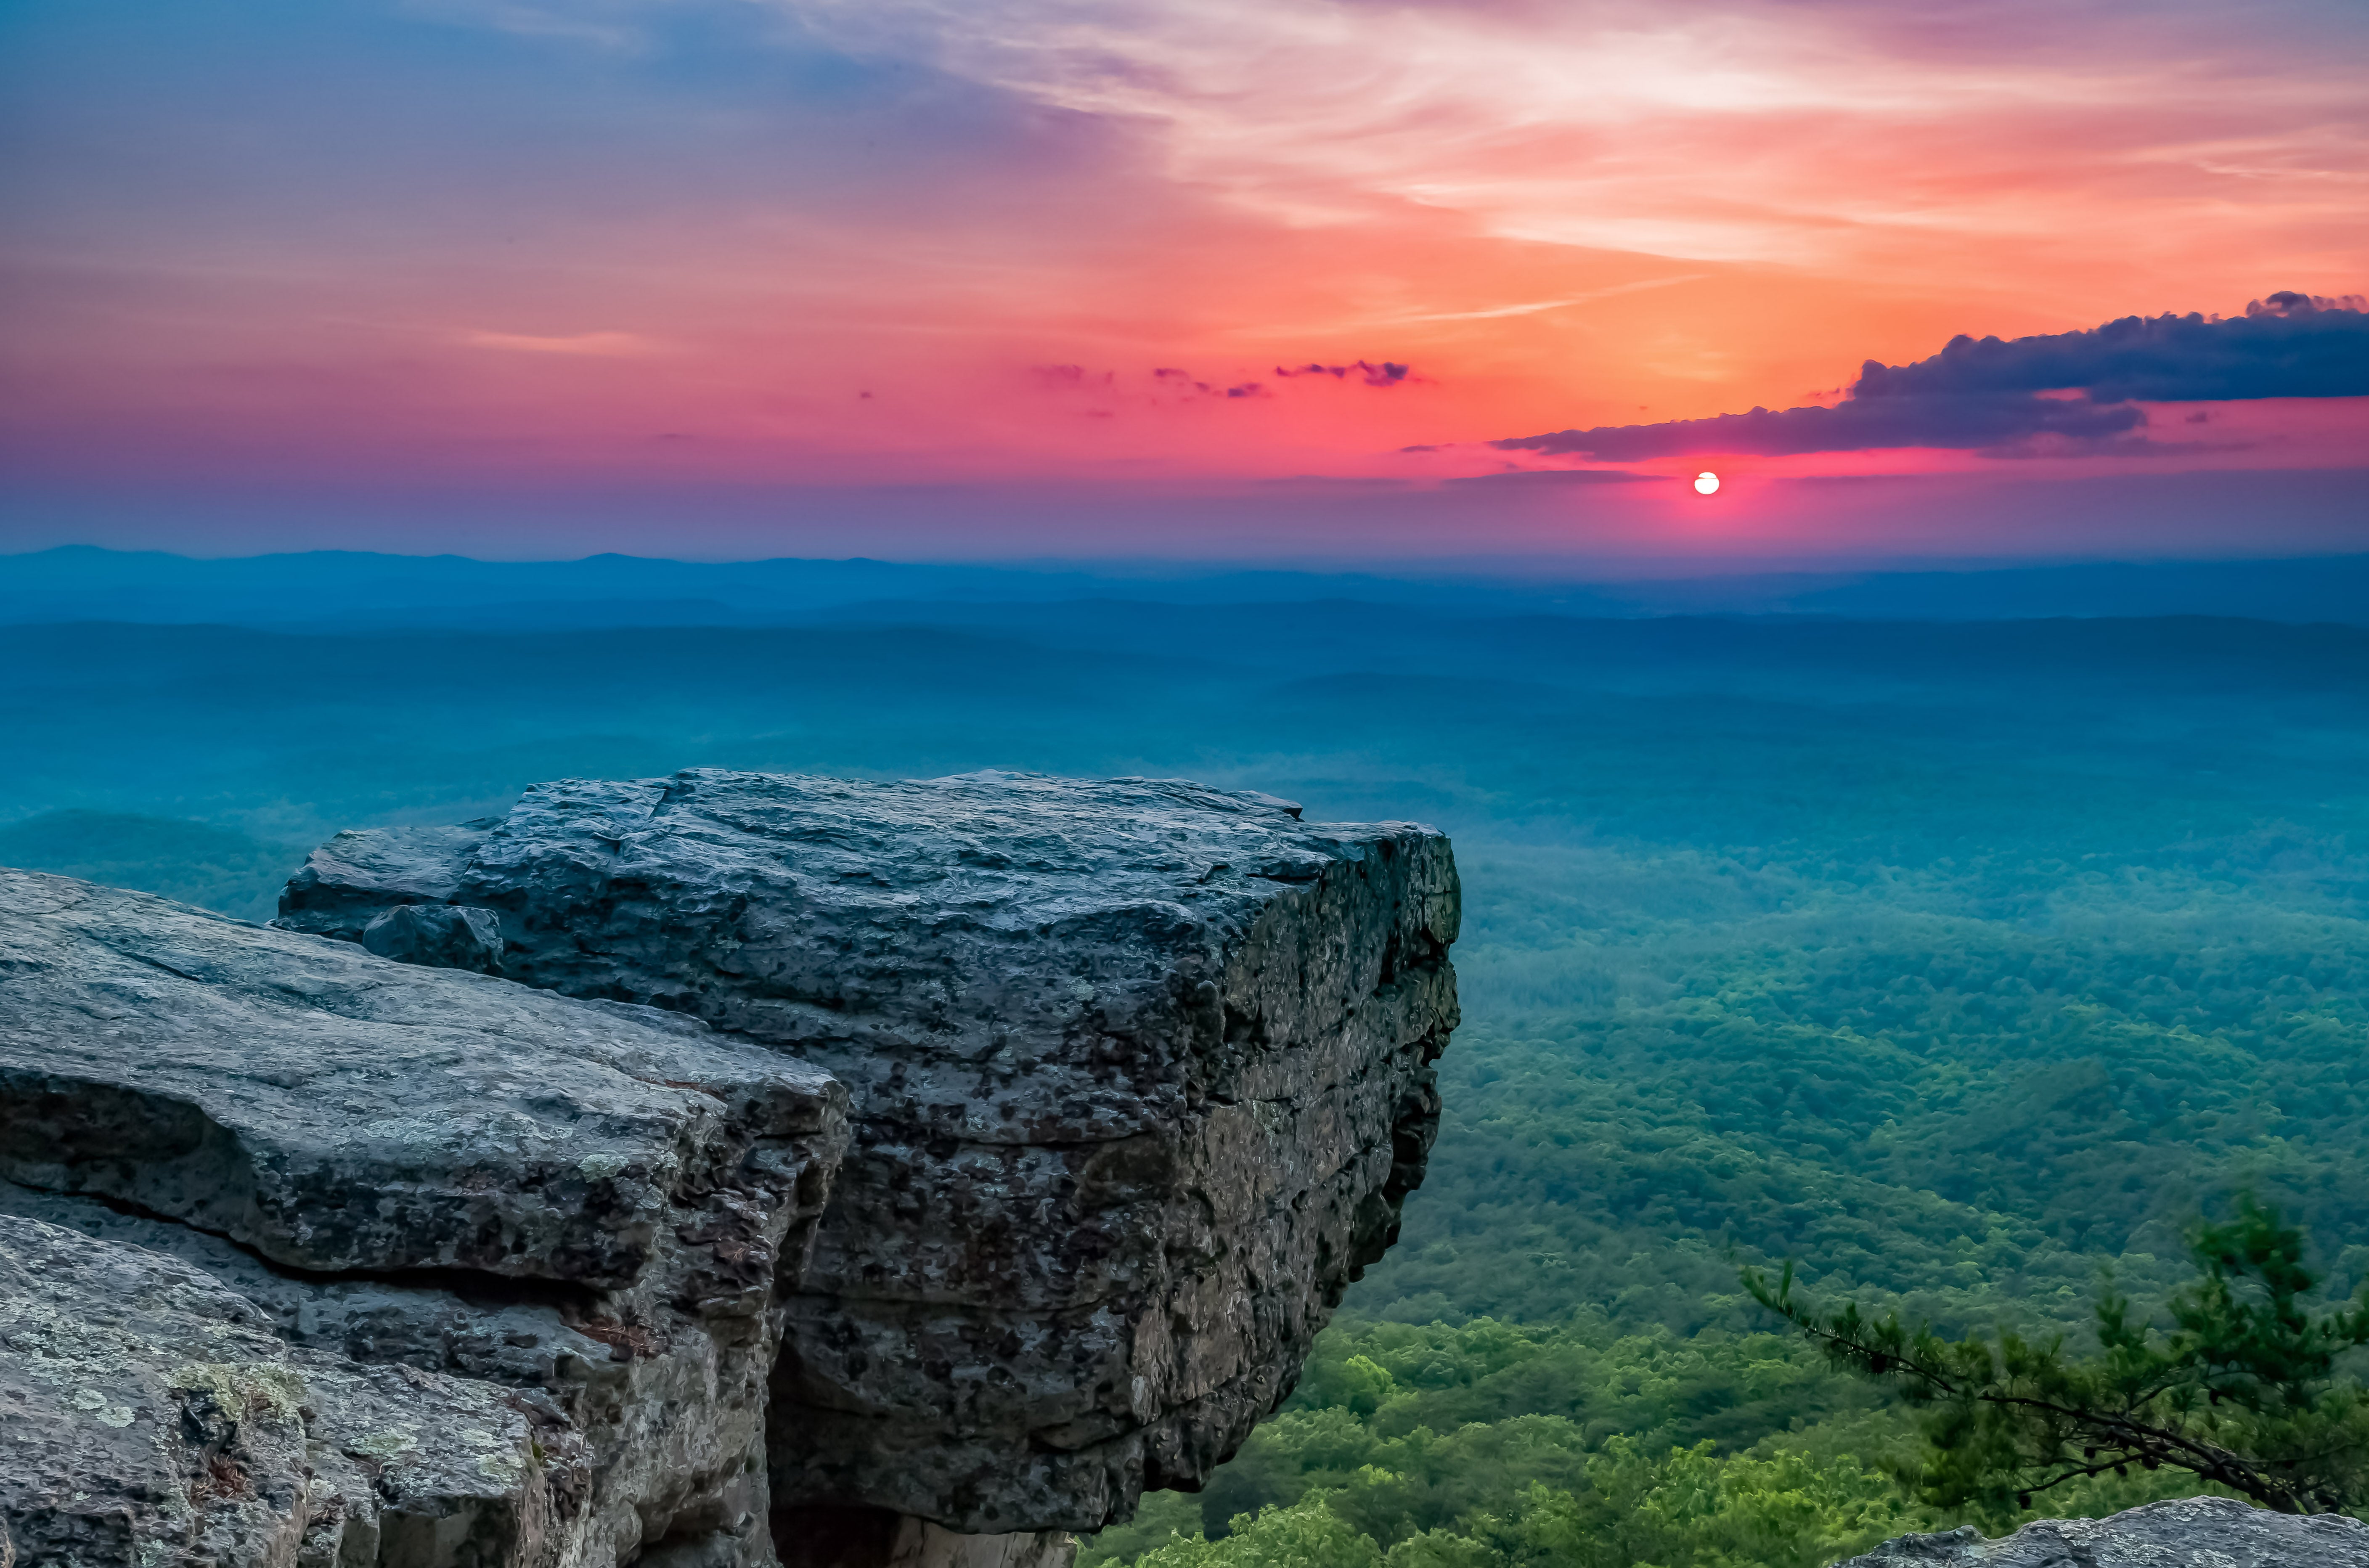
column 594, row 345
column 1733, row 130
column 1176, row 381
column 494, row 242
column 1961, row 422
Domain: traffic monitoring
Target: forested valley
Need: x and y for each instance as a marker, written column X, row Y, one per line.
column 1957, row 962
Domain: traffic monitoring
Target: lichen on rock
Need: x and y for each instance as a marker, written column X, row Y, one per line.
column 1141, row 1071
column 149, row 1415
column 2187, row 1532
column 512, row 1258
column 674, row 1171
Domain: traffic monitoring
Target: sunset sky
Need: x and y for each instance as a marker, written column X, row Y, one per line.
column 1295, row 279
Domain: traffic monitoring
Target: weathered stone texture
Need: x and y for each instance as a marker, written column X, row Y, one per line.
column 438, row 936
column 148, row 1415
column 2193, row 1532
column 574, row 1217
column 1141, row 1073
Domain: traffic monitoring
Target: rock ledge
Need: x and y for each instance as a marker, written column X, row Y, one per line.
column 270, row 1197
column 2189, row 1532
column 700, row 1173
column 1140, row 1071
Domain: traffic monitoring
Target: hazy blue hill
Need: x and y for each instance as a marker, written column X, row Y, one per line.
column 357, row 589
column 343, row 591
column 1956, row 959
column 78, row 582
column 189, row 861
column 1876, row 741
column 2329, row 588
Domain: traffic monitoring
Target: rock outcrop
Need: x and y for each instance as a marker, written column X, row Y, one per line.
column 361, row 1244
column 2191, row 1532
column 150, row 1415
column 1139, row 1073
column 320, row 1258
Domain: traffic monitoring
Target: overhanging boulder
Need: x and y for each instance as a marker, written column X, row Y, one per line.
column 1140, row 1071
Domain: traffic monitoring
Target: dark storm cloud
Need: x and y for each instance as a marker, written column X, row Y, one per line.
column 1990, row 394
column 2287, row 346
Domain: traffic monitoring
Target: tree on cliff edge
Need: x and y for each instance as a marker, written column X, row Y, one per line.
column 2246, row 1387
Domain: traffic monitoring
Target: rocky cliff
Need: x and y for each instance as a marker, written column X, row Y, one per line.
column 315, row 1258
column 1134, row 1077
column 1141, row 1072
column 2191, row 1532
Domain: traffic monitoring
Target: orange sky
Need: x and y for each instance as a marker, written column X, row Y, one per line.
column 331, row 255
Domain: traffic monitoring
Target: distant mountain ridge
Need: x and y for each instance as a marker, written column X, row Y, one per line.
column 332, row 590
column 196, row 863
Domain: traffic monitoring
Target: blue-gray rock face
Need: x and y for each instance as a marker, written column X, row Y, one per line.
column 1140, row 1071
column 562, row 1227
column 438, row 936
column 2190, row 1532
column 151, row 1417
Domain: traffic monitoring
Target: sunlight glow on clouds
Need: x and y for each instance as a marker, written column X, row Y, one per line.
column 598, row 344
column 1800, row 134
column 328, row 248
column 2001, row 397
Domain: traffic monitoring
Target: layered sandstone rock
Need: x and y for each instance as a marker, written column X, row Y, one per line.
column 1141, row 1072
column 501, row 1270
column 148, row 1414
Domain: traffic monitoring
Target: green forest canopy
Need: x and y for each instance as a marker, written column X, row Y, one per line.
column 1955, row 962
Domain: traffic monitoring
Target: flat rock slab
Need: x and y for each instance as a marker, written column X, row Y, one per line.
column 1140, row 1071
column 2190, row 1532
column 570, row 1223
column 336, row 1112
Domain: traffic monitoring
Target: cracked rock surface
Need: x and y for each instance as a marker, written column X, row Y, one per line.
column 447, row 1205
column 2190, row 1532
column 1140, row 1071
column 149, row 1415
